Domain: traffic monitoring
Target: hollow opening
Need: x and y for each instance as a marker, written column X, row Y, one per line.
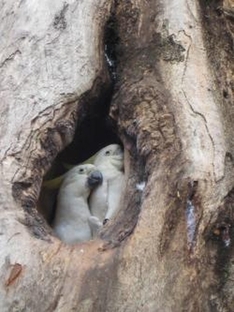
column 95, row 129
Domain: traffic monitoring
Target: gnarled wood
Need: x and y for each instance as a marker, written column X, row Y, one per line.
column 170, row 247
column 49, row 70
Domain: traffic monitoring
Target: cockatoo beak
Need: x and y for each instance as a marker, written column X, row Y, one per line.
column 119, row 151
column 95, row 179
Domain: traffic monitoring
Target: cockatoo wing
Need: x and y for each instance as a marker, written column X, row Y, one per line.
column 98, row 201
column 104, row 201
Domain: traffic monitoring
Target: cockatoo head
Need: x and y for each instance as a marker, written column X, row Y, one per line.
column 82, row 178
column 112, row 154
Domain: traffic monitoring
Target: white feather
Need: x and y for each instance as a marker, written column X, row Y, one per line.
column 105, row 199
column 72, row 212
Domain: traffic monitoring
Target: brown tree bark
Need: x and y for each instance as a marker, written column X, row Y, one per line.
column 170, row 248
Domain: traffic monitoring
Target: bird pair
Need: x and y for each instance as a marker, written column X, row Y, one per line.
column 89, row 195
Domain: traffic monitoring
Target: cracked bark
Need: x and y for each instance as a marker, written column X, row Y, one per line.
column 171, row 246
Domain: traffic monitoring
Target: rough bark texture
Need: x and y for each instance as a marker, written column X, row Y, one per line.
column 170, row 248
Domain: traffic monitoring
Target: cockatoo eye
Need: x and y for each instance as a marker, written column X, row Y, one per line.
column 81, row 170
column 107, row 153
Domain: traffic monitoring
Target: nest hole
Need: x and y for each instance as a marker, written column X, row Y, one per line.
column 94, row 130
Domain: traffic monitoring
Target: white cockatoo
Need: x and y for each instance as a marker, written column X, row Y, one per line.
column 105, row 199
column 71, row 222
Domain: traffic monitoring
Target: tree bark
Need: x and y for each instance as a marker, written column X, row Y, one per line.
column 170, row 248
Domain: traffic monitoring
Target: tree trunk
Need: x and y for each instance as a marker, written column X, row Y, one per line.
column 169, row 85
